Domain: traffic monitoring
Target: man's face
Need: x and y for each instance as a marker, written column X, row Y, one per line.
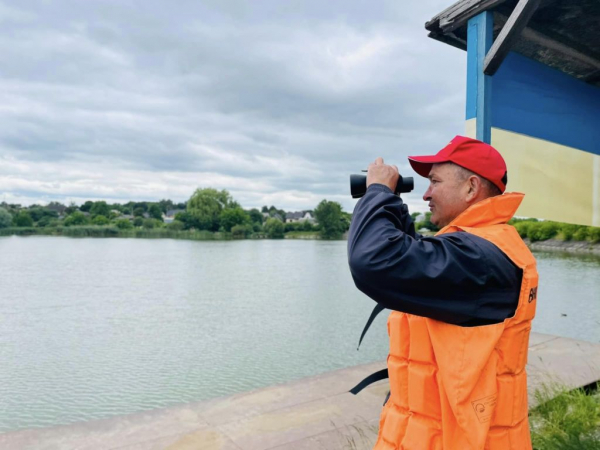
column 446, row 194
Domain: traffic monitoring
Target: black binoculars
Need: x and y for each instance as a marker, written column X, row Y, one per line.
column 358, row 185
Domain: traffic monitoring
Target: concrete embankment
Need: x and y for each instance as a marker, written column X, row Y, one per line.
column 315, row 413
column 553, row 245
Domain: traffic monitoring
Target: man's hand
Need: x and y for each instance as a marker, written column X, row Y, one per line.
column 382, row 174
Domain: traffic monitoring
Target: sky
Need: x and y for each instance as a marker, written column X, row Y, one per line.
column 276, row 101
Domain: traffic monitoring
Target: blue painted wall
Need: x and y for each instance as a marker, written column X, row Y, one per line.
column 533, row 99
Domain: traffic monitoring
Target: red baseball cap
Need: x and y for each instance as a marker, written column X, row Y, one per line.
column 474, row 155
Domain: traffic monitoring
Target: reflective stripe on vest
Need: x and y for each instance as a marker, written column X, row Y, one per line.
column 463, row 388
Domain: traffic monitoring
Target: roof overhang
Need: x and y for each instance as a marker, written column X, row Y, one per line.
column 563, row 34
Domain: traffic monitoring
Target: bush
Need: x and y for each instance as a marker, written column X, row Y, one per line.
column 541, row 231
column 176, row 225
column 148, row 224
column 100, row 220
column 123, row 224
column 594, row 234
column 47, row 221
column 523, row 228
column 138, row 222
column 292, row 226
column 581, row 234
column 241, row 231
column 274, row 228
column 568, row 230
column 307, row 226
column 75, row 219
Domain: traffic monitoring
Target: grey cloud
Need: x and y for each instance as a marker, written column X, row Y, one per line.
column 284, row 98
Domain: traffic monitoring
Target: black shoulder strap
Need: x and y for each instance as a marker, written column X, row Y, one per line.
column 381, row 375
column 378, row 308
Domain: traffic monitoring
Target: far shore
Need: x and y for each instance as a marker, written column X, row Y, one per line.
column 554, row 245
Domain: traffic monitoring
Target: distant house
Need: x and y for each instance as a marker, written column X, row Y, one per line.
column 169, row 216
column 299, row 216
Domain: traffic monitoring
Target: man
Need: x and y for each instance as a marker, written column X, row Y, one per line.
column 462, row 302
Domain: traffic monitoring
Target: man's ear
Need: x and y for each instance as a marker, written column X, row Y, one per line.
column 474, row 188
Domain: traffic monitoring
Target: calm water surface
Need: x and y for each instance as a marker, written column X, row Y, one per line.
column 90, row 328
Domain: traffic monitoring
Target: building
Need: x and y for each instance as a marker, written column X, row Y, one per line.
column 169, row 216
column 299, row 216
column 533, row 92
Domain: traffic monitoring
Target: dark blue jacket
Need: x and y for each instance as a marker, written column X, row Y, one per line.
column 456, row 278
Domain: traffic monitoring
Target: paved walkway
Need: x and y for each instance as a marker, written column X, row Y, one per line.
column 311, row 414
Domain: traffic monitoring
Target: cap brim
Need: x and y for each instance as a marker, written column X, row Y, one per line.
column 422, row 164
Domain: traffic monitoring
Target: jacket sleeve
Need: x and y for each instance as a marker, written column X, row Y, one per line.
column 458, row 278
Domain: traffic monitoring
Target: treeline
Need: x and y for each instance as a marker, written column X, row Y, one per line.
column 536, row 230
column 207, row 211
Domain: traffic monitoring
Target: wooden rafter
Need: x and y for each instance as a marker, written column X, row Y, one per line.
column 509, row 34
column 562, row 46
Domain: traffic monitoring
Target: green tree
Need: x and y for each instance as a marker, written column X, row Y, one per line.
column 5, row 218
column 255, row 216
column 100, row 220
column 231, row 217
column 100, row 208
column 206, row 206
column 138, row 221
column 86, row 206
column 272, row 211
column 155, row 212
column 123, row 224
column 138, row 212
column 23, row 219
column 77, row 218
column 274, row 228
column 331, row 219
column 70, row 209
column 39, row 212
column 166, row 205
column 188, row 220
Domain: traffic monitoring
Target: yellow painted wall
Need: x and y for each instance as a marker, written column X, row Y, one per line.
column 560, row 183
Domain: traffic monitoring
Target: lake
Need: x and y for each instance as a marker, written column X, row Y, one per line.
column 91, row 328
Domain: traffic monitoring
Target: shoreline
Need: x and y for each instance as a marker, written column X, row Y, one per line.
column 550, row 245
column 555, row 245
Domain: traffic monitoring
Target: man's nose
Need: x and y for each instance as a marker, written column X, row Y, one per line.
column 427, row 194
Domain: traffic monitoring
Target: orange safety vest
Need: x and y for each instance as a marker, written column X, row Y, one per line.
column 464, row 388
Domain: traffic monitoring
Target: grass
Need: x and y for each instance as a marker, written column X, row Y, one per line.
column 565, row 420
column 302, row 235
column 112, row 231
column 150, row 233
